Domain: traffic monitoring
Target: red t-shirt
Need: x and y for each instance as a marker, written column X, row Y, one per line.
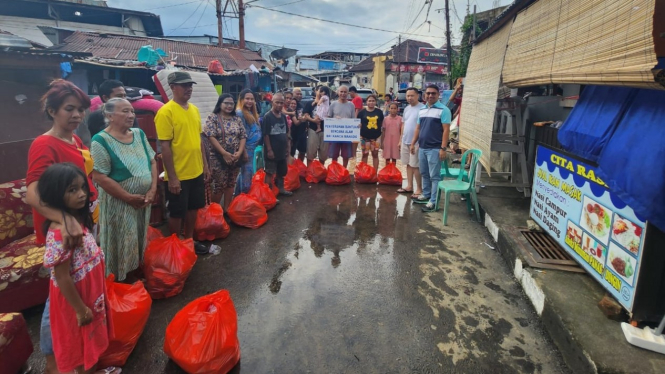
column 47, row 150
column 357, row 102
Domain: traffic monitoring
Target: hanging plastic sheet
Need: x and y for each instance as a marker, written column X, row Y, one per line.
column 594, row 119
column 633, row 159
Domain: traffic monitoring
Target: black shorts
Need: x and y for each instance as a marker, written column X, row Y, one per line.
column 191, row 197
column 299, row 143
column 278, row 167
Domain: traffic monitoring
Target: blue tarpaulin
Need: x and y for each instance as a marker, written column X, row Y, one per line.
column 623, row 131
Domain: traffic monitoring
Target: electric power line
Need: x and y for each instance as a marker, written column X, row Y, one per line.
column 292, row 2
column 418, row 15
column 170, row 6
column 190, row 16
column 344, row 24
column 199, row 21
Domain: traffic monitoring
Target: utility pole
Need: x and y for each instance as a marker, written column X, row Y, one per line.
column 473, row 35
column 448, row 46
column 399, row 62
column 241, row 23
column 219, row 23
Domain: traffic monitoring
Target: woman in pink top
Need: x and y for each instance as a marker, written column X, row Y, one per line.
column 392, row 126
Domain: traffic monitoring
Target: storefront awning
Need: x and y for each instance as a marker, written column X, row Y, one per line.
column 583, row 42
column 480, row 93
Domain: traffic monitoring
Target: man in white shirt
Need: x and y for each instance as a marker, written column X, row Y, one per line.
column 410, row 118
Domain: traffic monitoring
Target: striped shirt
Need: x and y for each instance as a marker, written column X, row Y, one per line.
column 431, row 119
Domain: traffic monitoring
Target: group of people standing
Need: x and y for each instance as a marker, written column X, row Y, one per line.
column 91, row 205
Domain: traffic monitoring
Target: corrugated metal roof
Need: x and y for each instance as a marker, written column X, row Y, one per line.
column 405, row 53
column 193, row 55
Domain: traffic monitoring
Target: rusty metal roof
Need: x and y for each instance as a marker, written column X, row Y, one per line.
column 405, row 53
column 186, row 54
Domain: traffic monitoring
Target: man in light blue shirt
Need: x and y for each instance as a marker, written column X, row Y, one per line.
column 432, row 132
column 410, row 118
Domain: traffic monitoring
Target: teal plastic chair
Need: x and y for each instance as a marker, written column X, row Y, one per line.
column 461, row 186
column 258, row 162
column 447, row 172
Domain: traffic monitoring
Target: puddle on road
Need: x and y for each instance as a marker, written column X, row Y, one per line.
column 341, row 273
column 366, row 222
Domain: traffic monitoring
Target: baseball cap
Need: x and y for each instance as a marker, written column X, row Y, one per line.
column 179, row 77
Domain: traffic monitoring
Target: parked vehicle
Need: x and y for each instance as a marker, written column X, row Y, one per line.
column 364, row 92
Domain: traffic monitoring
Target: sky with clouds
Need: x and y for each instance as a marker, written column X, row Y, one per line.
column 310, row 36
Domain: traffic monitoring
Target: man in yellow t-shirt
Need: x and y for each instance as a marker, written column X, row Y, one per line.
column 178, row 126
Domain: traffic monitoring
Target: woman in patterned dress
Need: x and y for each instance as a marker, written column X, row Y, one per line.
column 126, row 171
column 248, row 113
column 227, row 138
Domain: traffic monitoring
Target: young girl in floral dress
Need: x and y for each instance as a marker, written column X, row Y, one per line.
column 80, row 323
column 392, row 126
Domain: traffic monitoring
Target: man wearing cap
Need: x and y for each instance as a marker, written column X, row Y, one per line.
column 178, row 125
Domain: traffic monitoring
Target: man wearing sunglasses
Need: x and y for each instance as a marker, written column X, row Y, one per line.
column 431, row 135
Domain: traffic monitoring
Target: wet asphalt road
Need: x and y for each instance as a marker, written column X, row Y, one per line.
column 355, row 279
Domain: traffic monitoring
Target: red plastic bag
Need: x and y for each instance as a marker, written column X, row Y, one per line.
column 337, row 175
column 292, row 178
column 390, row 175
column 215, row 67
column 302, row 169
column 153, row 234
column 316, row 172
column 210, row 223
column 247, row 212
column 202, row 338
column 260, row 192
column 129, row 306
column 260, row 177
column 167, row 263
column 365, row 173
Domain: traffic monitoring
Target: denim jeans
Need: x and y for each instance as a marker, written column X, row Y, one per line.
column 430, row 169
column 45, row 339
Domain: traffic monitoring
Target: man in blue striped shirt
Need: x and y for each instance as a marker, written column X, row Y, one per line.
column 432, row 131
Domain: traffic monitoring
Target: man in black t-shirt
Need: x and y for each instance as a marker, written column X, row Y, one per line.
column 276, row 142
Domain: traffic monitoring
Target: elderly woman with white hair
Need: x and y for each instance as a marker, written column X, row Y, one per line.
column 126, row 171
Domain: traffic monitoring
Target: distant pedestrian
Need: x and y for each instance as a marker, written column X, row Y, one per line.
column 316, row 147
column 410, row 160
column 265, row 104
column 227, row 136
column 247, row 111
column 277, row 144
column 178, row 125
column 356, row 99
column 432, row 132
column 109, row 89
column 358, row 104
column 342, row 108
column 371, row 127
column 391, row 139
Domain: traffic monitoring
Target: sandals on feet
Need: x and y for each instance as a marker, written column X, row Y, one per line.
column 402, row 190
column 109, row 370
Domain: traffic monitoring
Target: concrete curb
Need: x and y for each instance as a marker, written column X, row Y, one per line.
column 572, row 352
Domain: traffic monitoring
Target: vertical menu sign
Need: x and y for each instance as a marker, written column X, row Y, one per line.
column 573, row 205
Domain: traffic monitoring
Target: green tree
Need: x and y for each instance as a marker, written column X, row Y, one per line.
column 461, row 60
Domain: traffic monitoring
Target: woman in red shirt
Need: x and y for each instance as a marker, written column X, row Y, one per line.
column 64, row 105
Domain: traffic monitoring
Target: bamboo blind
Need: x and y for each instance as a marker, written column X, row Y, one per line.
column 480, row 93
column 606, row 42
